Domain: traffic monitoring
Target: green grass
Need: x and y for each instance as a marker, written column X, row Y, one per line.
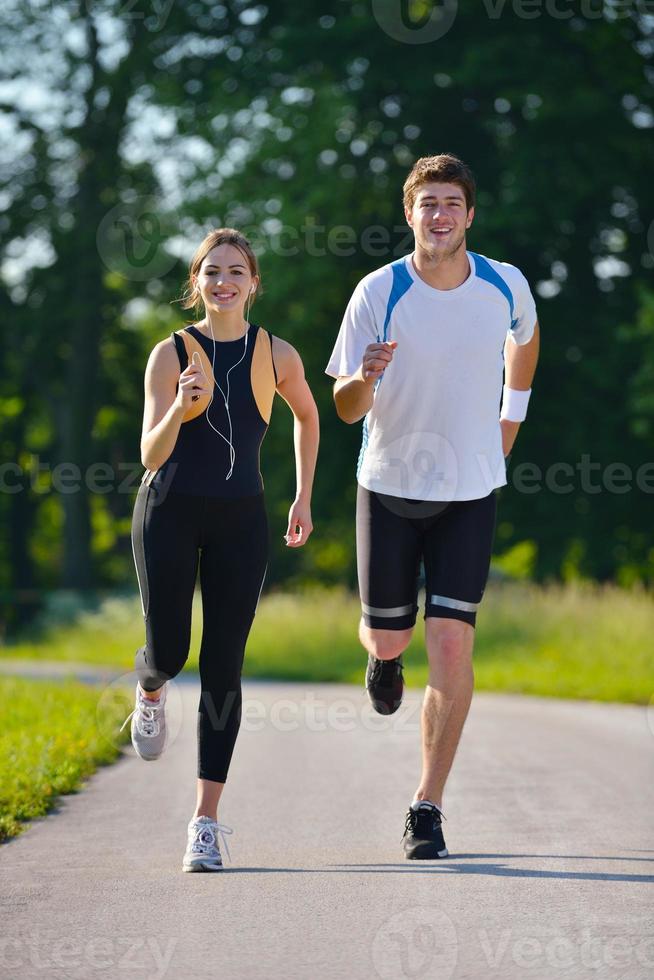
column 572, row 641
column 52, row 739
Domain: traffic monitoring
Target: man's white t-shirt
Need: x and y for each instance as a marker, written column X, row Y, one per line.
column 433, row 431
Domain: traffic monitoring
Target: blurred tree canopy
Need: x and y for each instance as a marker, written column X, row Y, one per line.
column 132, row 128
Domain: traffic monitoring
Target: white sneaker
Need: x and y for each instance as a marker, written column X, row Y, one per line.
column 202, row 850
column 148, row 725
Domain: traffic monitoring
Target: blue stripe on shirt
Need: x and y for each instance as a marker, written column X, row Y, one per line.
column 402, row 282
column 484, row 270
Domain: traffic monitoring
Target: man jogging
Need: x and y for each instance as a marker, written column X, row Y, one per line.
column 420, row 356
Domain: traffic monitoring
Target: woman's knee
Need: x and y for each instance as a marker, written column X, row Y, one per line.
column 152, row 669
column 384, row 644
column 168, row 663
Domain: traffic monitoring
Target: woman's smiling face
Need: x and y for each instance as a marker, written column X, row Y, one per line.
column 225, row 279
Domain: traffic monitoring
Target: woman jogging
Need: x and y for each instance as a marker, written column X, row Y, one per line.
column 209, row 391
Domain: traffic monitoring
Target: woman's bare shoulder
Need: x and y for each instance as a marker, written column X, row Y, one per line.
column 163, row 357
column 282, row 350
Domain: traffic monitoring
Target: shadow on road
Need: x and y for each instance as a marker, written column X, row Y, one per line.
column 446, row 866
column 500, row 870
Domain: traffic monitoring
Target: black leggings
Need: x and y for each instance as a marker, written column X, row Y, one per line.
column 173, row 533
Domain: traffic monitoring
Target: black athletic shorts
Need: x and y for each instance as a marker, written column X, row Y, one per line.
column 454, row 540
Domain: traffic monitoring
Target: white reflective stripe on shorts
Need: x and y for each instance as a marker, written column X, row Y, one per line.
column 443, row 600
column 389, row 612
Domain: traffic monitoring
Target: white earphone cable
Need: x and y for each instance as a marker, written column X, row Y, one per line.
column 232, row 451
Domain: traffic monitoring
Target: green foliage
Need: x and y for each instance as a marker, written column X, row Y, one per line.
column 298, row 123
column 49, row 744
column 518, row 562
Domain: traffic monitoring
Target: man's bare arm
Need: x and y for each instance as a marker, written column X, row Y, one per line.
column 354, row 393
column 519, row 369
column 520, row 362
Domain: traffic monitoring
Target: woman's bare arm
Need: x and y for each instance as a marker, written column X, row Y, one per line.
column 164, row 409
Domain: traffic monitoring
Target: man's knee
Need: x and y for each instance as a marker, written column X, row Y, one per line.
column 384, row 644
column 451, row 640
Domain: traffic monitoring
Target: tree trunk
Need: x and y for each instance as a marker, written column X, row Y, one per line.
column 99, row 140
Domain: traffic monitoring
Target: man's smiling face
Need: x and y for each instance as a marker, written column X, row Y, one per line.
column 440, row 218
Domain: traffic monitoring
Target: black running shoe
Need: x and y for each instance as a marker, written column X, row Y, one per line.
column 384, row 684
column 424, row 834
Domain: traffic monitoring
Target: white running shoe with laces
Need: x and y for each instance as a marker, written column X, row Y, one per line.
column 202, row 850
column 148, row 725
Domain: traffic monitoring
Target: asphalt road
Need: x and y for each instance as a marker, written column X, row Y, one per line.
column 549, row 826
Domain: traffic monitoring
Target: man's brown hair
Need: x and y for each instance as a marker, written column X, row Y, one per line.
column 444, row 168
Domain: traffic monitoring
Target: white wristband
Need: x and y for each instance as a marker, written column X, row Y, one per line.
column 514, row 404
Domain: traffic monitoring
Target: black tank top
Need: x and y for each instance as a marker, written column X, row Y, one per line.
column 200, row 462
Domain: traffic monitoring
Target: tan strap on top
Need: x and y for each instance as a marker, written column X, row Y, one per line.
column 262, row 375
